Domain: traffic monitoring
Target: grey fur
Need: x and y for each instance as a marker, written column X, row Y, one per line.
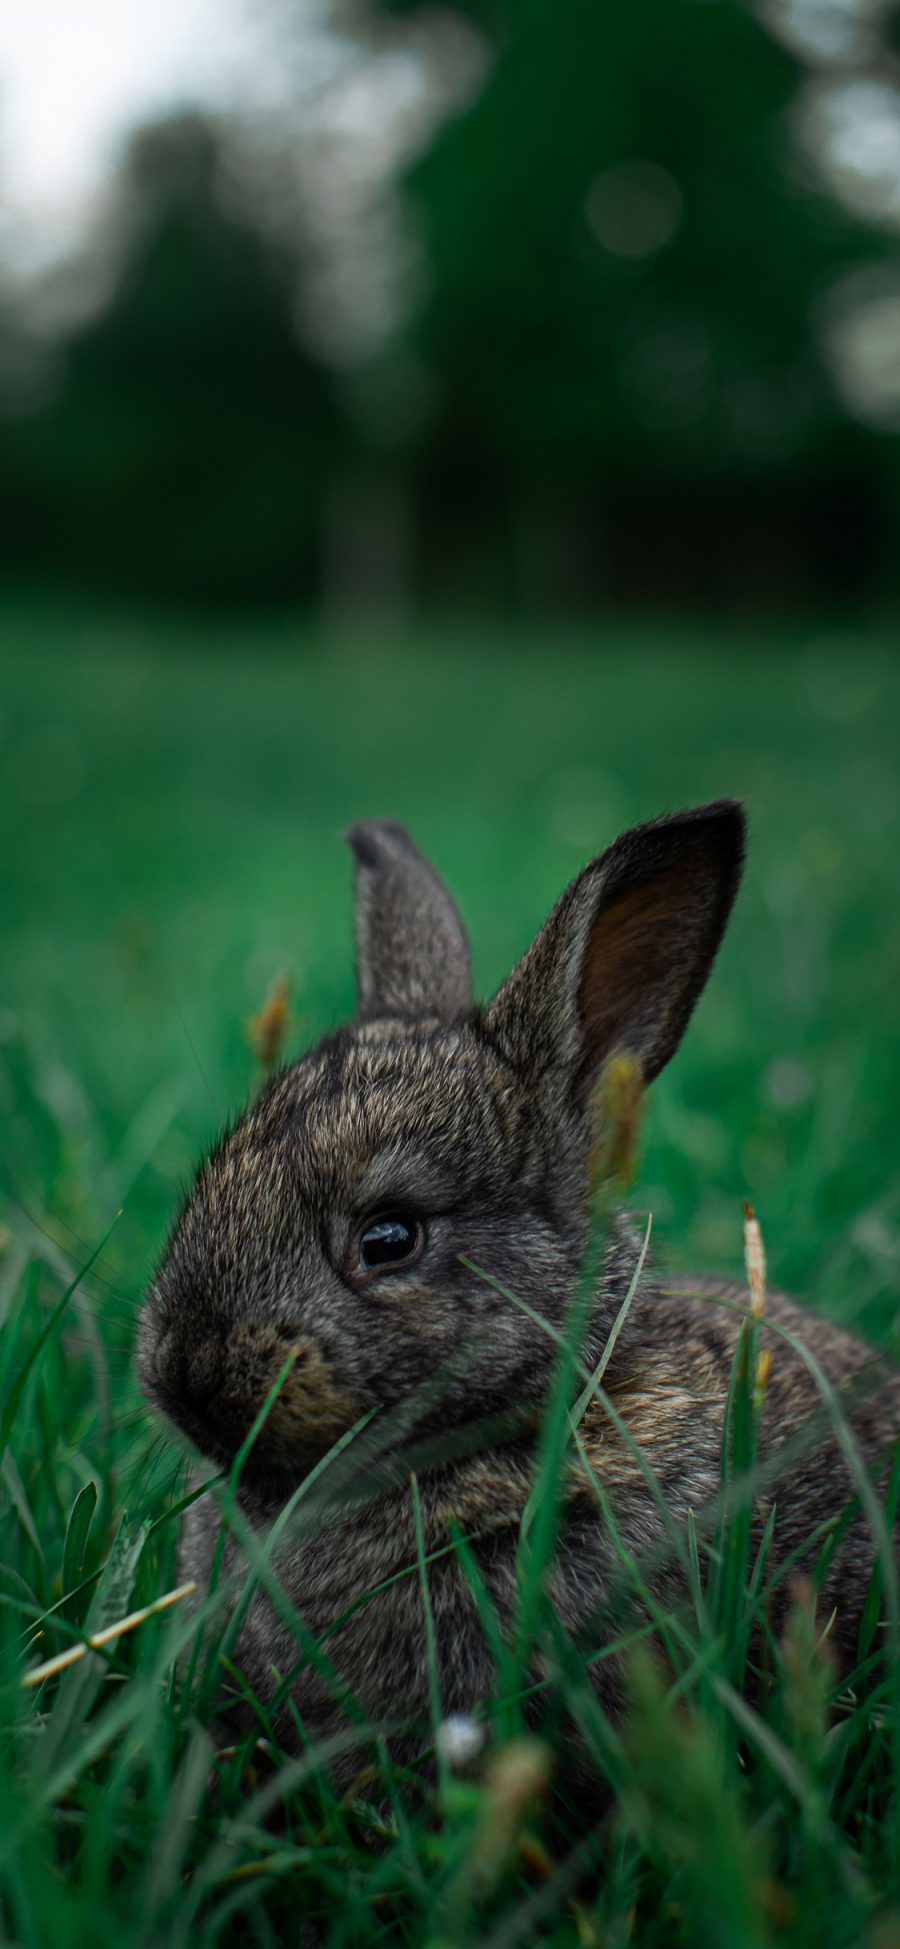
column 483, row 1123
column 412, row 952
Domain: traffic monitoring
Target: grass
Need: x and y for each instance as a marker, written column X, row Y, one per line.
column 172, row 800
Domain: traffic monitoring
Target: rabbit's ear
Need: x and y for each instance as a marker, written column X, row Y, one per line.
column 626, row 951
column 412, row 952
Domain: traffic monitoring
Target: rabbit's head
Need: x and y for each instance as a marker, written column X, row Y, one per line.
column 334, row 1229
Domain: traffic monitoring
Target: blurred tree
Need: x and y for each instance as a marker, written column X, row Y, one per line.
column 24, row 376
column 613, row 379
column 185, row 449
column 625, row 257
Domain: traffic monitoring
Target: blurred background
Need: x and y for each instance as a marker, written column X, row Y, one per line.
column 484, row 414
column 377, row 304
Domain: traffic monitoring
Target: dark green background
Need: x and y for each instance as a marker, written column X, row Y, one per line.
column 568, row 409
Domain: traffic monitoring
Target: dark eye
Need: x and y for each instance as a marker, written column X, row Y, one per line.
column 394, row 1239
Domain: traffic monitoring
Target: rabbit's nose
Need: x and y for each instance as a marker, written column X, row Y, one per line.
column 189, row 1370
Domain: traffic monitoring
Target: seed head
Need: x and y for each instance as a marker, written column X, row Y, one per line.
column 755, row 1261
column 459, row 1739
column 620, row 1095
column 266, row 1031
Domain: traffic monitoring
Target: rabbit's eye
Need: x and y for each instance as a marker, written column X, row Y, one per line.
column 393, row 1239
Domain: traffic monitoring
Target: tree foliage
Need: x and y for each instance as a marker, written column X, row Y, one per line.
column 626, row 258
column 185, row 449
column 616, row 385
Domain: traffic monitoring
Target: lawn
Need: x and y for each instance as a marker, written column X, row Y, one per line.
column 172, row 800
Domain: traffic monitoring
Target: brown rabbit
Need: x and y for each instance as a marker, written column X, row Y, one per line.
column 338, row 1224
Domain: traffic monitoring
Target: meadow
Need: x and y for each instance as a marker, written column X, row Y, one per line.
column 172, row 798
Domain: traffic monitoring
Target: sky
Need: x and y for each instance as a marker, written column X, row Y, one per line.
column 74, row 74
column 77, row 75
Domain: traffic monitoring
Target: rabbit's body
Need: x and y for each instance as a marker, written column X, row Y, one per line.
column 393, row 1232
column 671, row 1401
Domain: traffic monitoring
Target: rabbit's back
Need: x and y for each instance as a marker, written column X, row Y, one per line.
column 828, row 1407
column 650, row 1453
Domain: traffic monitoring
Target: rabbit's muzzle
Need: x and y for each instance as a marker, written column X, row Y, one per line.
column 215, row 1388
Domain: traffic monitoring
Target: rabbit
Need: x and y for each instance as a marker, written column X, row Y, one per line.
column 371, row 1221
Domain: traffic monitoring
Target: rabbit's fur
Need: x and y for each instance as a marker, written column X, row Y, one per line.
column 479, row 1125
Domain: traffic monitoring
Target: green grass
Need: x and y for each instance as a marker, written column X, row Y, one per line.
column 171, row 802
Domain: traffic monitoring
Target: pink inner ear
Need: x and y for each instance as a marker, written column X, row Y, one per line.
column 640, row 970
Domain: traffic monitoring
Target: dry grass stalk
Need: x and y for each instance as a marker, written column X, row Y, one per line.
column 75, row 1651
column 755, row 1261
column 621, row 1094
column 266, row 1032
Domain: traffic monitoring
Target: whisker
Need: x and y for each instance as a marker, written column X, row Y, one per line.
column 132, row 1416
column 78, row 1341
column 154, row 1459
column 126, row 1305
column 17, row 1179
column 201, row 1071
column 101, row 1313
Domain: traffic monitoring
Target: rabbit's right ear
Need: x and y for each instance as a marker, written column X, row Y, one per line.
column 626, row 951
column 412, row 951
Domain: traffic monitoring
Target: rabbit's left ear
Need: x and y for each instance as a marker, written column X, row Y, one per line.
column 412, row 951
column 626, row 951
